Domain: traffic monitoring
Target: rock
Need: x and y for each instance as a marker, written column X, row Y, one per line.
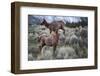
column 30, row 57
column 73, row 39
column 46, row 53
column 66, row 52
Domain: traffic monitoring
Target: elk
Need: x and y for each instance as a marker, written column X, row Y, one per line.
column 54, row 26
column 51, row 40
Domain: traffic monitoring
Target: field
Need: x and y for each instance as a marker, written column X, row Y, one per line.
column 73, row 44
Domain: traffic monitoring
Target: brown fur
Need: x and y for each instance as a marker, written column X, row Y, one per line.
column 51, row 40
column 54, row 26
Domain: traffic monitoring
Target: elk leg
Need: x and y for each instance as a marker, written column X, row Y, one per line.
column 41, row 46
column 50, row 31
column 54, row 49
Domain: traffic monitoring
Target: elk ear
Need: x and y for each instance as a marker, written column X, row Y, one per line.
column 42, row 22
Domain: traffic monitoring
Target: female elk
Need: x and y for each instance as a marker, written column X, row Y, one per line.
column 51, row 40
column 54, row 26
